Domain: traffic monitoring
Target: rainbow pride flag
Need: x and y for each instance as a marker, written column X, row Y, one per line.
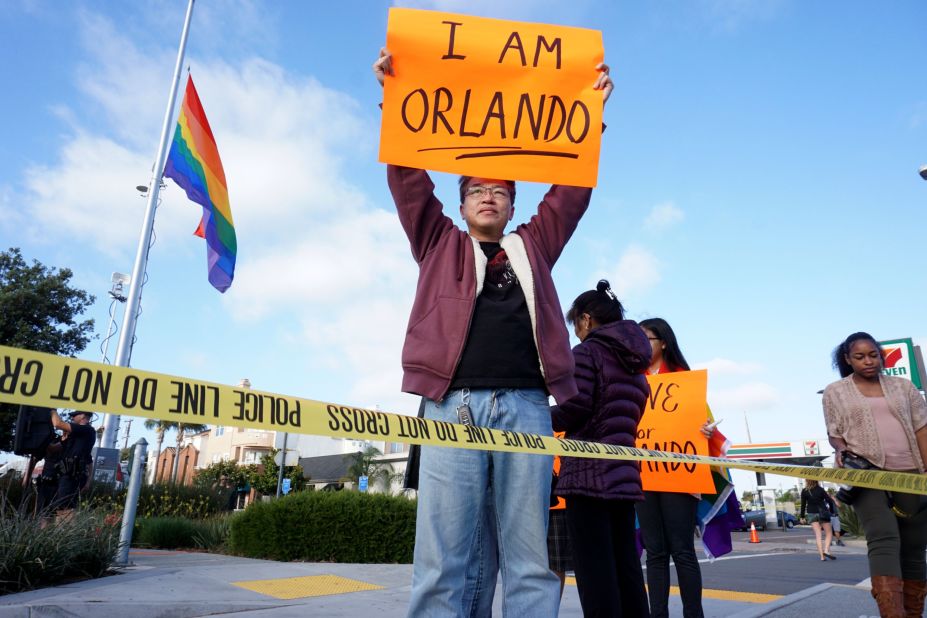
column 194, row 164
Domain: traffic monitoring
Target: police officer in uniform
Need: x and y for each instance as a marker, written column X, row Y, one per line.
column 75, row 466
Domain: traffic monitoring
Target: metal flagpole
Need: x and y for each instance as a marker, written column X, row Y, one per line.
column 126, row 338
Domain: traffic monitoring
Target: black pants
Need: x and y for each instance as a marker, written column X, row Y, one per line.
column 608, row 571
column 896, row 544
column 68, row 495
column 667, row 522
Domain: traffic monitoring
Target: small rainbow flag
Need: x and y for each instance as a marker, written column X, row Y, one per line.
column 194, row 164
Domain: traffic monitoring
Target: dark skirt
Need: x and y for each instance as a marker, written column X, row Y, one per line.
column 559, row 550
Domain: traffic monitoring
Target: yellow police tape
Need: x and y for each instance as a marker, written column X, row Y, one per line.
column 38, row 379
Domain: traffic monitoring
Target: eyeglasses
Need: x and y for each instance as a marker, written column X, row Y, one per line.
column 497, row 192
column 654, row 338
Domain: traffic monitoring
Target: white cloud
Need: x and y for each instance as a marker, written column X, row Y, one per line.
column 749, row 397
column 89, row 195
column 311, row 243
column 662, row 216
column 637, row 271
column 368, row 336
column 726, row 367
column 358, row 257
column 731, row 15
column 284, row 141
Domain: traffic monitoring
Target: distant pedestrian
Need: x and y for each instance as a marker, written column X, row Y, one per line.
column 610, row 360
column 835, row 524
column 880, row 421
column 818, row 506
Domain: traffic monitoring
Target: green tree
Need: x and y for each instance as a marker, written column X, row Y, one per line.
column 365, row 463
column 265, row 481
column 227, row 473
column 39, row 310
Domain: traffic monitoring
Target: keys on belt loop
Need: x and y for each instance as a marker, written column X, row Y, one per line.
column 464, row 416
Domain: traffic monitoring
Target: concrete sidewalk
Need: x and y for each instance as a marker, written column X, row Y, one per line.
column 164, row 584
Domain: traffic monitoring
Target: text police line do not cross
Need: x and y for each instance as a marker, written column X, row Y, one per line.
column 45, row 380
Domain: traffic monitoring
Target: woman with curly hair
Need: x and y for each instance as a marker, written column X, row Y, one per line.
column 880, row 421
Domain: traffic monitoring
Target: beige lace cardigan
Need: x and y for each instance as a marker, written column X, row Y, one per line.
column 847, row 415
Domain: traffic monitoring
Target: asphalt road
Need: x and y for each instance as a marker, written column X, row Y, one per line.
column 782, row 563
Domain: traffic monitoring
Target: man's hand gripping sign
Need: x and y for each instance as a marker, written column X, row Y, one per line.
column 492, row 98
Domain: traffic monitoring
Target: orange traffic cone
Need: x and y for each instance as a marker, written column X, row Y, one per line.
column 754, row 537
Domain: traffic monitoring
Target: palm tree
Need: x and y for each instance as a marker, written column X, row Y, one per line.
column 365, row 463
column 160, row 427
column 183, row 429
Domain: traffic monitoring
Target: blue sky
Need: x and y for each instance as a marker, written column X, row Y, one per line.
column 758, row 185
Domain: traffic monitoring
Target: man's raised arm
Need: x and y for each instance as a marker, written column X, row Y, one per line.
column 420, row 212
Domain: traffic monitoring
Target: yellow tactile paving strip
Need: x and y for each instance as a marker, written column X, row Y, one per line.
column 722, row 595
column 306, row 586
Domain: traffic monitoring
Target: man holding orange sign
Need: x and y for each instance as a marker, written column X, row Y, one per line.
column 485, row 346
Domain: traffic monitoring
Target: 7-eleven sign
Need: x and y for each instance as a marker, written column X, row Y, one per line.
column 812, row 447
column 898, row 360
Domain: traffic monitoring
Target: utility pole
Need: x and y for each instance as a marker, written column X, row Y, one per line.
column 282, row 464
column 760, row 476
column 125, row 444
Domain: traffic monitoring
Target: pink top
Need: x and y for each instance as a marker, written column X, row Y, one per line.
column 892, row 435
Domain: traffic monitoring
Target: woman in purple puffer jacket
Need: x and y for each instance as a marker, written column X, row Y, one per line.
column 610, row 360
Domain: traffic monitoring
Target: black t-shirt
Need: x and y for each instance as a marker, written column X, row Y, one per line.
column 79, row 444
column 500, row 350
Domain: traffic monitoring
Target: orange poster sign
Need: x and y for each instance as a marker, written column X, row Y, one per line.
column 492, row 98
column 673, row 416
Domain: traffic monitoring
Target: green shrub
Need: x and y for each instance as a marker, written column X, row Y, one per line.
column 213, row 533
column 849, row 522
column 181, row 533
column 11, row 490
column 36, row 551
column 342, row 526
column 165, row 532
column 163, row 500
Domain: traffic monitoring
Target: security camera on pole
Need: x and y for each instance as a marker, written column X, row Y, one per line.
column 117, row 294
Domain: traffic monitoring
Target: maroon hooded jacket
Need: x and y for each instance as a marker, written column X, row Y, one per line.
column 451, row 272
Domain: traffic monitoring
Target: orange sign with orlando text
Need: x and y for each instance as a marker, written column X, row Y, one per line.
column 492, row 98
column 673, row 416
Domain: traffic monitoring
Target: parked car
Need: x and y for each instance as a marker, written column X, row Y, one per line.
column 790, row 520
column 757, row 518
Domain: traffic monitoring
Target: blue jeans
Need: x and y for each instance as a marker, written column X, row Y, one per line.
column 462, row 492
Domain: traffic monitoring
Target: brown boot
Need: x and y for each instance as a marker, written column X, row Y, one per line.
column 888, row 594
column 914, row 592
